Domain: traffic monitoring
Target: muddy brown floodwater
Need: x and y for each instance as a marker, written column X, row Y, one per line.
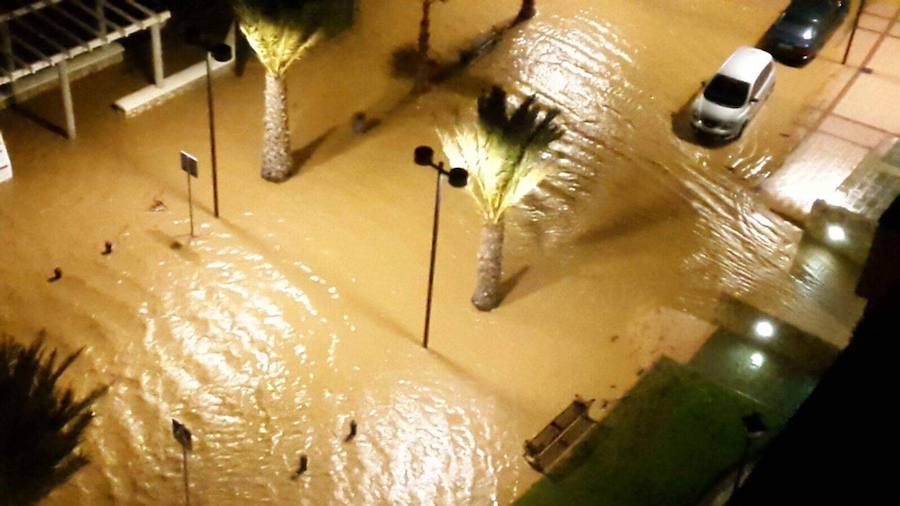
column 302, row 308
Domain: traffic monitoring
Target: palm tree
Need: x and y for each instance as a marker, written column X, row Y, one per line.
column 506, row 153
column 40, row 424
column 526, row 12
column 423, row 73
column 281, row 32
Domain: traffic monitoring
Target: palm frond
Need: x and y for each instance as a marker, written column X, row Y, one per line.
column 505, row 150
column 40, row 424
column 282, row 31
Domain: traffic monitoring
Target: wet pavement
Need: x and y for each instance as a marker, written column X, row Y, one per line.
column 847, row 120
column 302, row 308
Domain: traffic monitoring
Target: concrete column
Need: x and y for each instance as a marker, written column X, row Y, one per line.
column 63, row 69
column 156, row 46
column 6, row 47
column 9, row 65
column 101, row 18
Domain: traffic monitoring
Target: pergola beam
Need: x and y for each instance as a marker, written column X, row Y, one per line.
column 131, row 19
column 31, row 49
column 70, row 28
column 54, row 44
column 21, row 11
column 47, row 20
column 147, row 12
column 84, row 26
column 98, row 15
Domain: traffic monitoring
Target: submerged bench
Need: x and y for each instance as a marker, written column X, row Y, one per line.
column 552, row 442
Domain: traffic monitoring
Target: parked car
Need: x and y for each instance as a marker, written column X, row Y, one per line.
column 734, row 95
column 802, row 29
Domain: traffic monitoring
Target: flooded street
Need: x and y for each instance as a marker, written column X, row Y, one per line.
column 302, row 308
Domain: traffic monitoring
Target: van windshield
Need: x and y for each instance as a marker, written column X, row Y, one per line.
column 727, row 92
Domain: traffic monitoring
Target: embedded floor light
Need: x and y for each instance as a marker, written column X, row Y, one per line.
column 757, row 360
column 836, row 233
column 764, row 329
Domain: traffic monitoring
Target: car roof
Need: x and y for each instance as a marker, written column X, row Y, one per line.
column 745, row 63
column 811, row 9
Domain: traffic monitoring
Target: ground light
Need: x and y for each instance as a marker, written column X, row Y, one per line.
column 764, row 329
column 757, row 360
column 836, row 233
column 221, row 53
column 424, row 156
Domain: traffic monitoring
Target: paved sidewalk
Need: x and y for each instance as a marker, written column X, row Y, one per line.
column 859, row 109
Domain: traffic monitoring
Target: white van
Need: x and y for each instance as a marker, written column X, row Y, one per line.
column 734, row 95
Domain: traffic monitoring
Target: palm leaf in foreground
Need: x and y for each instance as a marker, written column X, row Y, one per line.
column 41, row 424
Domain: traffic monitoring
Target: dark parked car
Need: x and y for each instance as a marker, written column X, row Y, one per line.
column 799, row 33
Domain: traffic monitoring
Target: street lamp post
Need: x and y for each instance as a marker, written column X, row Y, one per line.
column 458, row 178
column 221, row 53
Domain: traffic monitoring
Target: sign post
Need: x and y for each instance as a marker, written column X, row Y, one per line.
column 5, row 165
column 189, row 166
column 183, row 435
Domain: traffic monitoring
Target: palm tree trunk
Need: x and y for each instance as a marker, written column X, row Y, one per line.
column 276, row 163
column 527, row 11
column 423, row 73
column 490, row 265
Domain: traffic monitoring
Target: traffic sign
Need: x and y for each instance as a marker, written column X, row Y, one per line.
column 189, row 163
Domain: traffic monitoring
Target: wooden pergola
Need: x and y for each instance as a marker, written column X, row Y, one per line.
column 48, row 33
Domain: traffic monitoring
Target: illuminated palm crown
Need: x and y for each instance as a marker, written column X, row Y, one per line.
column 281, row 31
column 505, row 151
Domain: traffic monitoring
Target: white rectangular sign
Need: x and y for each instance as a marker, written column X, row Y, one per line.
column 5, row 164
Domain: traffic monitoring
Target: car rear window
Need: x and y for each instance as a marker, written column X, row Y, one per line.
column 726, row 91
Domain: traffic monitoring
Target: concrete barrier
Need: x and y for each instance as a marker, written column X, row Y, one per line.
column 5, row 164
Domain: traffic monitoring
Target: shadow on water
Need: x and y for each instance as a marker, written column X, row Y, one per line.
column 301, row 156
column 405, row 60
column 623, row 227
column 509, row 284
column 179, row 246
column 37, row 119
column 404, row 65
column 41, row 424
column 469, row 86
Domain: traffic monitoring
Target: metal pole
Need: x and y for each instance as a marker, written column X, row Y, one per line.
column 434, row 236
column 64, row 85
column 190, row 204
column 187, row 481
column 212, row 136
column 862, row 5
column 156, row 47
